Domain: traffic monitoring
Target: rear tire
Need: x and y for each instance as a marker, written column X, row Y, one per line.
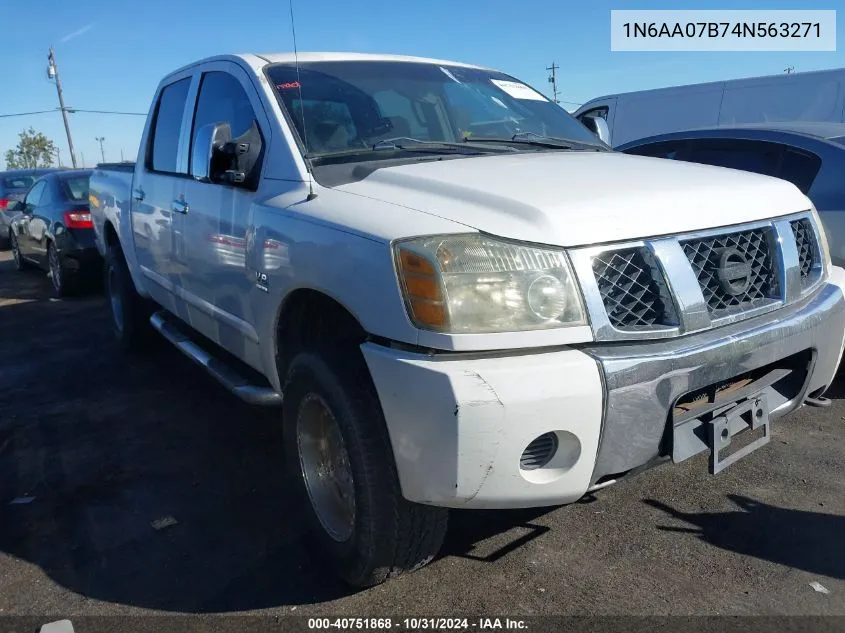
column 64, row 284
column 130, row 312
column 386, row 534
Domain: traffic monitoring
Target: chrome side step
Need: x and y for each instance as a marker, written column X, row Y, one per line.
column 223, row 373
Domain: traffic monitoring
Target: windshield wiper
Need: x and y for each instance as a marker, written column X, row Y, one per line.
column 415, row 144
column 538, row 140
column 408, row 144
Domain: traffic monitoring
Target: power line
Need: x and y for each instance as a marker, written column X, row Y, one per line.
column 107, row 112
column 72, row 111
column 3, row 116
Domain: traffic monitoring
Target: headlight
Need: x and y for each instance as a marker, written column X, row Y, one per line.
column 473, row 283
column 822, row 240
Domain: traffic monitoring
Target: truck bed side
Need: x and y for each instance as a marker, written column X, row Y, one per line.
column 110, row 191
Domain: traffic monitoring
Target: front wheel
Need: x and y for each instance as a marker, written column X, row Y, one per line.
column 20, row 262
column 341, row 461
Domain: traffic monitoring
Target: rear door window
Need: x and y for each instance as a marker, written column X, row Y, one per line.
column 168, row 126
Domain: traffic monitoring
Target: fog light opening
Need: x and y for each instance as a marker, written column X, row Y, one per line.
column 549, row 456
column 539, row 452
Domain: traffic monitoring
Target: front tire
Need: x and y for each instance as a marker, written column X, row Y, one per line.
column 130, row 313
column 341, row 461
column 20, row 263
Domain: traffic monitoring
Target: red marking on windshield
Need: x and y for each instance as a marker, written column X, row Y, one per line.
column 289, row 85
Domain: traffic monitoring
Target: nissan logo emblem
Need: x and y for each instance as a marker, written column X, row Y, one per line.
column 734, row 272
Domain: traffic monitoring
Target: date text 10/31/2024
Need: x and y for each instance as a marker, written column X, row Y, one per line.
column 416, row 624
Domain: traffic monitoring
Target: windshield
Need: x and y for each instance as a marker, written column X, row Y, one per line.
column 352, row 105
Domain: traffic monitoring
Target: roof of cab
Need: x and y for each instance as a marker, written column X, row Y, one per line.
column 257, row 61
column 280, row 58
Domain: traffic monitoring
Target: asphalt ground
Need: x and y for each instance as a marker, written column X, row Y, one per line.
column 107, row 446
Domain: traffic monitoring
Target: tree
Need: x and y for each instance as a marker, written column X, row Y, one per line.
column 33, row 150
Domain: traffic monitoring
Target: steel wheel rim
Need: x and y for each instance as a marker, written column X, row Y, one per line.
column 114, row 299
column 324, row 462
column 55, row 268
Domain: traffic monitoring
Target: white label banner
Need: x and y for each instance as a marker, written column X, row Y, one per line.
column 706, row 30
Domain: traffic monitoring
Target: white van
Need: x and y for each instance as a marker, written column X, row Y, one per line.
column 810, row 96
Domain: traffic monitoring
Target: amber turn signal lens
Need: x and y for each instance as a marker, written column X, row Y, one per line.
column 413, row 263
column 428, row 312
column 422, row 290
column 422, row 287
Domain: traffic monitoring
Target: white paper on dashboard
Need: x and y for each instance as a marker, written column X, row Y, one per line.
column 518, row 90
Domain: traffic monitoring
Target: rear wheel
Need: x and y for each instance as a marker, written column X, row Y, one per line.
column 340, row 458
column 130, row 312
column 64, row 284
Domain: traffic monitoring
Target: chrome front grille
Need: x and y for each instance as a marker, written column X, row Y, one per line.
column 632, row 289
column 743, row 251
column 669, row 286
column 808, row 249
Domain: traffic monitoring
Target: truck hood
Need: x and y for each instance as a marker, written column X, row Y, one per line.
column 579, row 198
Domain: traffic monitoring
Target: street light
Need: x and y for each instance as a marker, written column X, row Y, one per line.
column 100, row 140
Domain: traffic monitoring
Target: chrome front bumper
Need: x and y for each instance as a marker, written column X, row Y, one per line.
column 643, row 380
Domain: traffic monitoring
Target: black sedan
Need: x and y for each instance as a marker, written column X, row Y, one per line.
column 13, row 186
column 53, row 231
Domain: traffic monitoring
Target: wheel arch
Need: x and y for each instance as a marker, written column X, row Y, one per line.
column 309, row 316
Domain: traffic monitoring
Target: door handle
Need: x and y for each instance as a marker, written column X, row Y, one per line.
column 138, row 194
column 179, row 206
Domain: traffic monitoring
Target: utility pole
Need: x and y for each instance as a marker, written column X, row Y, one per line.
column 58, row 157
column 82, row 157
column 553, row 80
column 100, row 140
column 121, row 155
column 53, row 73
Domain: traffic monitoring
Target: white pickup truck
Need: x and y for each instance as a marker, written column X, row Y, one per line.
column 458, row 296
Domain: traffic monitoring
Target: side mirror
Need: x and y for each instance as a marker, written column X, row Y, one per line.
column 598, row 126
column 206, row 152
